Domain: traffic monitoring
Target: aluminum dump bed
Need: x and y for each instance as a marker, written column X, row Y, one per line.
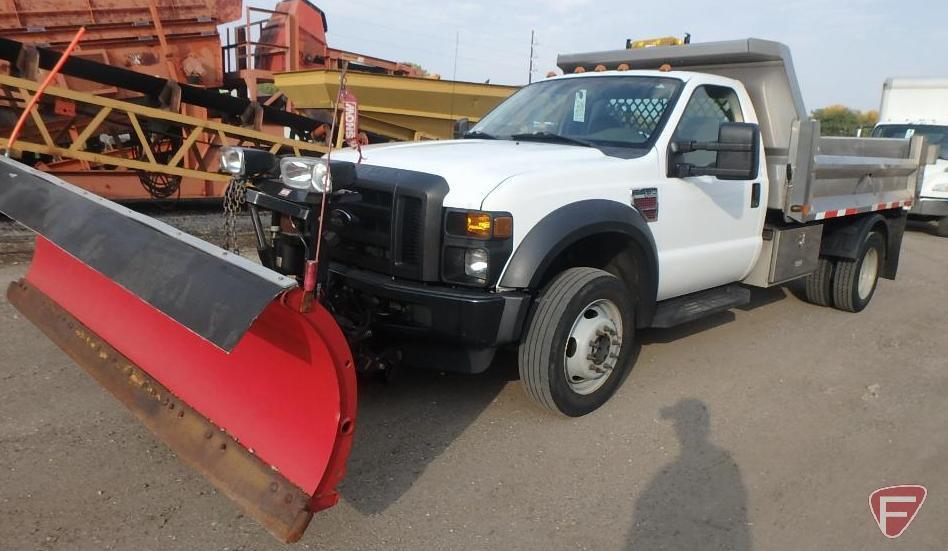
column 811, row 176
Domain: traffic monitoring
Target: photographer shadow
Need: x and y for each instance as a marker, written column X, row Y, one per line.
column 697, row 501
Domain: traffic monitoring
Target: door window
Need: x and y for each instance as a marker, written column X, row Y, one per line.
column 708, row 107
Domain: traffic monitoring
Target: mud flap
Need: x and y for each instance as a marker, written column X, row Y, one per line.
column 256, row 396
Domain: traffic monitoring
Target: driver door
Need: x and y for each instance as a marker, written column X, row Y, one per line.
column 712, row 234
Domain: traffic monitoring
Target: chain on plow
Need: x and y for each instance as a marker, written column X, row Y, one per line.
column 233, row 203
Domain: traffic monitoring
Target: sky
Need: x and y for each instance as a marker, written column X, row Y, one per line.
column 843, row 50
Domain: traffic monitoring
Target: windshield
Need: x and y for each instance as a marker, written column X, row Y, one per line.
column 936, row 135
column 616, row 111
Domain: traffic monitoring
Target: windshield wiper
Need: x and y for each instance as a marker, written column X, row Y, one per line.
column 477, row 134
column 550, row 136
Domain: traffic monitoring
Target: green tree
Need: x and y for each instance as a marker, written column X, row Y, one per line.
column 839, row 120
column 422, row 72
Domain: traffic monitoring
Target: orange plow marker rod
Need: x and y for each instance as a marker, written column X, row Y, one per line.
column 39, row 91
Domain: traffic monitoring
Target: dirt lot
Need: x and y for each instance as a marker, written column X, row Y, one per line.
column 807, row 411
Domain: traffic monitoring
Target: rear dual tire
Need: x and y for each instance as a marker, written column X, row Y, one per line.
column 819, row 284
column 854, row 282
column 579, row 343
column 848, row 285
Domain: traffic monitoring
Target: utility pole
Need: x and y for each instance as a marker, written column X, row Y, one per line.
column 457, row 46
column 532, row 44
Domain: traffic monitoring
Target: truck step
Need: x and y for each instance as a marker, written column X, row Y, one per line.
column 676, row 311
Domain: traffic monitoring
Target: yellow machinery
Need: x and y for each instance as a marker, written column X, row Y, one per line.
column 67, row 121
column 397, row 107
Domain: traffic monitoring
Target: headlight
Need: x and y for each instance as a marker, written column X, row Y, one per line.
column 232, row 160
column 940, row 188
column 305, row 173
column 476, row 244
column 476, row 263
column 245, row 161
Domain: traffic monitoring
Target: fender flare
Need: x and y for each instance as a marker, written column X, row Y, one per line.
column 563, row 227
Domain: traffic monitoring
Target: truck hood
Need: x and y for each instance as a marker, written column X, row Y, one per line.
column 472, row 168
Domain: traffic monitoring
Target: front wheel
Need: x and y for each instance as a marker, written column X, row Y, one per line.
column 578, row 346
column 855, row 281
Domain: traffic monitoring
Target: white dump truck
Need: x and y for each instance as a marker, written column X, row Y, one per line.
column 919, row 106
column 645, row 188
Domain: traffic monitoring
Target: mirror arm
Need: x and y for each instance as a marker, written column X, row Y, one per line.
column 685, row 170
column 687, row 147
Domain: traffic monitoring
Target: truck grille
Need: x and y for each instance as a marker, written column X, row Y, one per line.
column 390, row 222
column 365, row 237
column 411, row 231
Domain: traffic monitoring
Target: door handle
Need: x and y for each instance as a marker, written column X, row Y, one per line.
column 755, row 195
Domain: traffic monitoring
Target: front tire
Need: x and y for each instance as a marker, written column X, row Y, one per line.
column 578, row 346
column 854, row 282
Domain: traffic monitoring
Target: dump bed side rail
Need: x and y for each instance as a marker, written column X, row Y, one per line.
column 827, row 177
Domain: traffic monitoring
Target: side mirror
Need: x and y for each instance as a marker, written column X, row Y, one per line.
column 738, row 154
column 461, row 127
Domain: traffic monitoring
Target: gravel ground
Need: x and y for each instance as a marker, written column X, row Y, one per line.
column 765, row 428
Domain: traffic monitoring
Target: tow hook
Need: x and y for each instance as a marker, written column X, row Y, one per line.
column 382, row 366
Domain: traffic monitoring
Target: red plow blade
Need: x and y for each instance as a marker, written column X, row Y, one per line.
column 269, row 422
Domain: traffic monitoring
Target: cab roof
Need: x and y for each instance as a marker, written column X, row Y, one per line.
column 764, row 67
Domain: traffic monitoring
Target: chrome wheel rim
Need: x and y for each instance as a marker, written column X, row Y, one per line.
column 868, row 273
column 592, row 347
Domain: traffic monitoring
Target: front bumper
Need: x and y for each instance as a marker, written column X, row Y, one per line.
column 433, row 316
column 926, row 206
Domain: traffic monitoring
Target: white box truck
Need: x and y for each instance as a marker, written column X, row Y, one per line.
column 919, row 107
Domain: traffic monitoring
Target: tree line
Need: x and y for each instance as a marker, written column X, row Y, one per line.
column 839, row 120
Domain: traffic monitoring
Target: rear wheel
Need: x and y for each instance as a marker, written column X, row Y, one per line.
column 819, row 284
column 855, row 281
column 579, row 344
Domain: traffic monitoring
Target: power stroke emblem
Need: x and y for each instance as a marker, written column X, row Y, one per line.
column 645, row 200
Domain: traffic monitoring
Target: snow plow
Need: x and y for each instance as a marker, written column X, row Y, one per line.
column 224, row 360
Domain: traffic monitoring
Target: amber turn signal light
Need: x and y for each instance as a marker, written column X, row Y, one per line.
column 478, row 224
column 503, row 227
